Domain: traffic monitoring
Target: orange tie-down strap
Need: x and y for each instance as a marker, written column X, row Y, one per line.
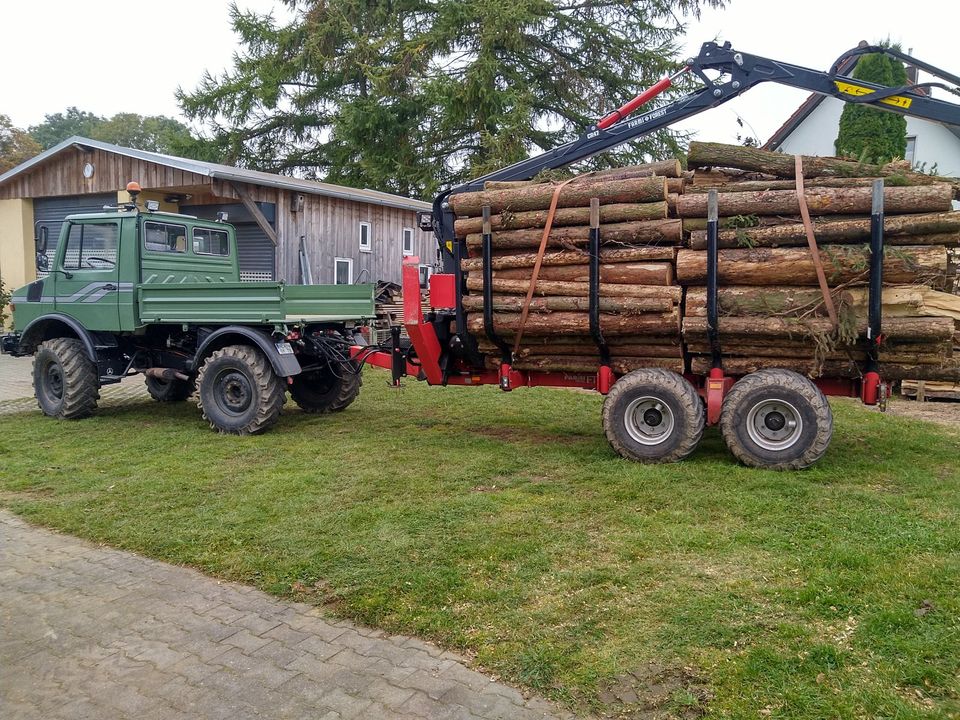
column 812, row 244
column 536, row 266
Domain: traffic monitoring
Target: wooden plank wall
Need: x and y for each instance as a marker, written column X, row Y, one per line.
column 331, row 228
column 63, row 175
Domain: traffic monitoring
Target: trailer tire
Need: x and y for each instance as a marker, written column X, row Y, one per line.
column 776, row 419
column 653, row 416
column 240, row 394
column 169, row 390
column 327, row 390
column 65, row 380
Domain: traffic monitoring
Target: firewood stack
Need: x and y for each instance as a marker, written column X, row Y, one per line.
column 772, row 311
column 639, row 299
column 653, row 263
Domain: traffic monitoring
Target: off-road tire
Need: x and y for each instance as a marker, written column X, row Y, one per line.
column 239, row 393
column 169, row 390
column 65, row 380
column 327, row 390
column 744, row 429
column 632, row 432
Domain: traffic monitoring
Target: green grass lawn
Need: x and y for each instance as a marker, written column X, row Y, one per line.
column 502, row 525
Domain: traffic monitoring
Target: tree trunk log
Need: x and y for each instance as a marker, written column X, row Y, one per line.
column 537, row 197
column 572, row 257
column 810, row 353
column 794, row 266
column 831, row 368
column 919, row 329
column 574, row 323
column 665, row 345
column 614, row 213
column 897, row 230
column 625, row 306
column 735, row 223
column 759, row 185
column 747, row 300
column 648, row 233
column 673, row 199
column 577, row 289
column 634, row 273
column 702, row 154
column 822, row 201
column 676, row 185
column 667, row 168
column 619, row 365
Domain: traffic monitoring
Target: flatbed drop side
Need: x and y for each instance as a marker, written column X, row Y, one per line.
column 770, row 418
column 133, row 291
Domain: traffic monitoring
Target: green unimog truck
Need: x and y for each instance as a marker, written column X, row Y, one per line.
column 132, row 290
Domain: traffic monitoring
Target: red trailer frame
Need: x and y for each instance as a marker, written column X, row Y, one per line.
column 424, row 363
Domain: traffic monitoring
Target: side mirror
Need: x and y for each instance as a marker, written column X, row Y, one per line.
column 42, row 239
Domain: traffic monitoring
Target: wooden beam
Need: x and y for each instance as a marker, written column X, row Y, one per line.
column 252, row 208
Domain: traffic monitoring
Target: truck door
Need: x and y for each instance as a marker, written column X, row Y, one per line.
column 87, row 277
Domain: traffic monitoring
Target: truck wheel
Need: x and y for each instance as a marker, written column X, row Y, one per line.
column 65, row 381
column 169, row 390
column 239, row 392
column 776, row 419
column 653, row 416
column 322, row 391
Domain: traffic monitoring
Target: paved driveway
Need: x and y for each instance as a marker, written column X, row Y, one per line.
column 91, row 632
column 16, row 388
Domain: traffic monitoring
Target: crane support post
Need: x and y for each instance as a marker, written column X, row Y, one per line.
column 489, row 329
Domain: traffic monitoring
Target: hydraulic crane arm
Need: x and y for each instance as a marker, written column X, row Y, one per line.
column 735, row 73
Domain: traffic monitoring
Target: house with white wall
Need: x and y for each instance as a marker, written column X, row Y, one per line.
column 813, row 128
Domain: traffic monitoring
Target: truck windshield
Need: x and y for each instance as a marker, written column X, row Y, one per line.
column 91, row 246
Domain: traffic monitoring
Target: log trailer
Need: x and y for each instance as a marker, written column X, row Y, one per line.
column 770, row 418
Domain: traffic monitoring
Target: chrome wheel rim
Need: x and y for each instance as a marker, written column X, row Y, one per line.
column 649, row 420
column 774, row 425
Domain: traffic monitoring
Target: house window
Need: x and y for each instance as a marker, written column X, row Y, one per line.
column 343, row 271
column 164, row 237
column 365, row 235
column 911, row 152
column 408, row 241
column 425, row 272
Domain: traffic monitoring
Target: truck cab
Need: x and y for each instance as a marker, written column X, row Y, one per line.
column 133, row 290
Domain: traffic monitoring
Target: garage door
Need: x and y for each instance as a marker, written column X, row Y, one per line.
column 257, row 255
column 51, row 212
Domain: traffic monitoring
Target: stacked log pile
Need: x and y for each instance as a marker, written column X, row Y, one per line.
column 772, row 311
column 639, row 298
column 653, row 263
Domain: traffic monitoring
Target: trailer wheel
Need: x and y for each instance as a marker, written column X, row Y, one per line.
column 653, row 416
column 65, row 381
column 239, row 392
column 328, row 390
column 169, row 390
column 776, row 419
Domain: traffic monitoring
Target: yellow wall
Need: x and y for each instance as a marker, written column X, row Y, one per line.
column 17, row 255
column 124, row 197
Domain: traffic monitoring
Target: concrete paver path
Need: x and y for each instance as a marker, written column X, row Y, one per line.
column 92, row 632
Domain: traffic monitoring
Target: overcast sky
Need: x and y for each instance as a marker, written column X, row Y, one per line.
column 109, row 57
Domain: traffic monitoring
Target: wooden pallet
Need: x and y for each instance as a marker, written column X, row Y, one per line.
column 921, row 390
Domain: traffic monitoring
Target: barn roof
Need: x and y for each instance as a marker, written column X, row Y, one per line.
column 224, row 172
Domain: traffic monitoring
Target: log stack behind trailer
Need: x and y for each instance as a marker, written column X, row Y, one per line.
column 653, row 267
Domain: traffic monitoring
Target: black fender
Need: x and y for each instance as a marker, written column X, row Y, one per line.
column 33, row 334
column 283, row 365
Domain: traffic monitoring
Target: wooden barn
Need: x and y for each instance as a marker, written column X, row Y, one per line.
column 347, row 235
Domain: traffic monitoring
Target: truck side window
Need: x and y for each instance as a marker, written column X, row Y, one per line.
column 91, row 246
column 164, row 237
column 207, row 241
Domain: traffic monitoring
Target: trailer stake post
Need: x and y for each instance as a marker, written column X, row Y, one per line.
column 594, row 275
column 874, row 391
column 488, row 327
column 713, row 255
